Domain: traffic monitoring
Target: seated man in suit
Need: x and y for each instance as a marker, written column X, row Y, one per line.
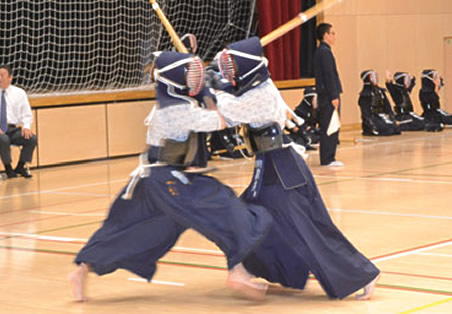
column 15, row 125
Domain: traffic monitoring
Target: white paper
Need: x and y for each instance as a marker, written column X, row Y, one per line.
column 335, row 123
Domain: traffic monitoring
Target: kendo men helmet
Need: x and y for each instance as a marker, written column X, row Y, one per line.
column 429, row 77
column 189, row 40
column 369, row 77
column 310, row 97
column 242, row 63
column 179, row 74
column 402, row 79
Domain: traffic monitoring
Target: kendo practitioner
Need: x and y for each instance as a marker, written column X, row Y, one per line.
column 400, row 89
column 163, row 198
column 205, row 100
column 308, row 110
column 376, row 112
column 296, row 131
column 303, row 126
column 227, row 142
column 302, row 238
column 435, row 117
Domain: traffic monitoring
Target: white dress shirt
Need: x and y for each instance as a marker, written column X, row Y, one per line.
column 18, row 109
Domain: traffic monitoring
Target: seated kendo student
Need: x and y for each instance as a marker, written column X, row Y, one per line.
column 307, row 132
column 435, row 118
column 400, row 89
column 296, row 130
column 376, row 112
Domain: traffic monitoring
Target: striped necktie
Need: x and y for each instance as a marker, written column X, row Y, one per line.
column 3, row 122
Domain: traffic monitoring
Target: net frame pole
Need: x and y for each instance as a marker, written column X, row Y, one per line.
column 301, row 18
column 169, row 28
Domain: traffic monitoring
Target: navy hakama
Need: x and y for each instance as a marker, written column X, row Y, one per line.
column 302, row 237
column 139, row 231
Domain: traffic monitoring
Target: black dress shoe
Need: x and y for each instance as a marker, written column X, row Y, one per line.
column 11, row 174
column 23, row 172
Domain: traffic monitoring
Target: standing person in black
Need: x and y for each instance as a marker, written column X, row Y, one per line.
column 329, row 88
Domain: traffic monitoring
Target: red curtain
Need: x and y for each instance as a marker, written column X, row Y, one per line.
column 283, row 53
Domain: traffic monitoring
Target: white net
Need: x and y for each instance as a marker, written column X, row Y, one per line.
column 75, row 46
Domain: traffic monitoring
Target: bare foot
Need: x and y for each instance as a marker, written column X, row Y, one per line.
column 239, row 279
column 368, row 290
column 77, row 280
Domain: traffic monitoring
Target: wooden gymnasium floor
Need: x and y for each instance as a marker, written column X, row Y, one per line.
column 393, row 200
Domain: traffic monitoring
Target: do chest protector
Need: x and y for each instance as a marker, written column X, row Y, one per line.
column 405, row 106
column 175, row 153
column 377, row 103
column 263, row 139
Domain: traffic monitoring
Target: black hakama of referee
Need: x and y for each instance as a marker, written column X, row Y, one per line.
column 303, row 237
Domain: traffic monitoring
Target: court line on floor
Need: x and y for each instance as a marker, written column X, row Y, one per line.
column 411, row 251
column 220, row 166
column 396, row 142
column 381, row 213
column 416, row 275
column 386, row 257
column 15, row 211
column 46, row 218
column 377, row 259
column 63, row 189
column 44, row 212
column 44, row 237
column 384, row 179
column 436, row 175
column 61, row 228
column 435, row 254
column 82, row 194
column 420, row 308
column 374, row 175
column 158, row 282
column 95, row 184
column 222, row 268
column 104, row 214
column 178, row 249
column 175, row 249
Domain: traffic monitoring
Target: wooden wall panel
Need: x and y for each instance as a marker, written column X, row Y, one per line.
column 446, row 99
column 371, row 31
column 126, row 129
column 402, row 35
column 347, row 56
column 371, row 8
column 71, row 134
column 403, row 7
column 445, row 7
column 345, row 7
column 292, row 96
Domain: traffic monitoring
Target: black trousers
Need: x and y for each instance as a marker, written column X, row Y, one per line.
column 13, row 136
column 328, row 144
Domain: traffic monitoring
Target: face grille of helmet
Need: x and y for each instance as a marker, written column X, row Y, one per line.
column 194, row 76
column 227, row 66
